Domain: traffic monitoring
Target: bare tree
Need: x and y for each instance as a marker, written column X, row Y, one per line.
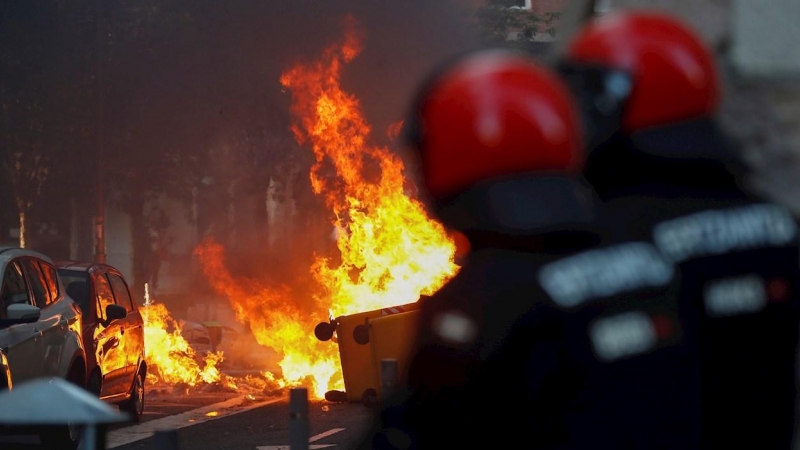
column 24, row 160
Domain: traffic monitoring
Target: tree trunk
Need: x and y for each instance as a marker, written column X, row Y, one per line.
column 84, row 230
column 73, row 230
column 22, row 229
column 272, row 211
column 140, row 245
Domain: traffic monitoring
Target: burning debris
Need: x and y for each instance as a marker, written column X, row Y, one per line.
column 176, row 368
column 171, row 359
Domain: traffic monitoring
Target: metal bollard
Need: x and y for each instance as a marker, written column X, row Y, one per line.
column 298, row 419
column 166, row 439
column 89, row 438
column 388, row 377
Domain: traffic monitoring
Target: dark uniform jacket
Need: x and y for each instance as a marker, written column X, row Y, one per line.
column 549, row 337
column 739, row 260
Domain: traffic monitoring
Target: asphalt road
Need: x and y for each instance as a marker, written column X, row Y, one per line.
column 228, row 420
column 336, row 425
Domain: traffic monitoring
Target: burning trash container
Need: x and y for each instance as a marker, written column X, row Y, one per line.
column 360, row 370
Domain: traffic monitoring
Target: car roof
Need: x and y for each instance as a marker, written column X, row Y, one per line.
column 74, row 265
column 84, row 266
column 8, row 252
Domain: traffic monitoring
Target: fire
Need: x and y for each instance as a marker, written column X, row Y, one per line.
column 391, row 251
column 170, row 357
column 276, row 322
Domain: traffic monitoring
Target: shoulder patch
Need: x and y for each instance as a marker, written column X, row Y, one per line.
column 733, row 296
column 623, row 335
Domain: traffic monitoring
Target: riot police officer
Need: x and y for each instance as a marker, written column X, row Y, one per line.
column 667, row 174
column 548, row 337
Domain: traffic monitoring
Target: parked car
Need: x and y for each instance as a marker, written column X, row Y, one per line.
column 40, row 329
column 113, row 333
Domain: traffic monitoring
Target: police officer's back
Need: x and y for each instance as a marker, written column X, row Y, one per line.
column 668, row 175
column 548, row 337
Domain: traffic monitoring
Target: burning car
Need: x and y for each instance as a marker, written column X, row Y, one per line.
column 113, row 333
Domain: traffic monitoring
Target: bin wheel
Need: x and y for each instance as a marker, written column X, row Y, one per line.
column 324, row 331
column 370, row 398
column 361, row 334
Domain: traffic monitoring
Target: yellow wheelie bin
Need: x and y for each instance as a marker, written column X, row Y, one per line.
column 361, row 377
column 392, row 337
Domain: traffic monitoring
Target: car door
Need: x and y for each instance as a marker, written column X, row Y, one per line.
column 111, row 356
column 19, row 342
column 132, row 326
column 69, row 314
column 53, row 332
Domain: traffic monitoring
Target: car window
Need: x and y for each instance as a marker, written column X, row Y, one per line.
column 121, row 292
column 76, row 285
column 51, row 278
column 14, row 289
column 38, row 284
column 105, row 296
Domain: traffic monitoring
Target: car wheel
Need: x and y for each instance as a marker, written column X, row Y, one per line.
column 370, row 398
column 60, row 437
column 64, row 437
column 134, row 406
column 94, row 385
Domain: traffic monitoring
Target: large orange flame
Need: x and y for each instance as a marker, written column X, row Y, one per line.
column 391, row 251
column 276, row 322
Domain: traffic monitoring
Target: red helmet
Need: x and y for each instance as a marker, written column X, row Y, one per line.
column 674, row 74
column 491, row 114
